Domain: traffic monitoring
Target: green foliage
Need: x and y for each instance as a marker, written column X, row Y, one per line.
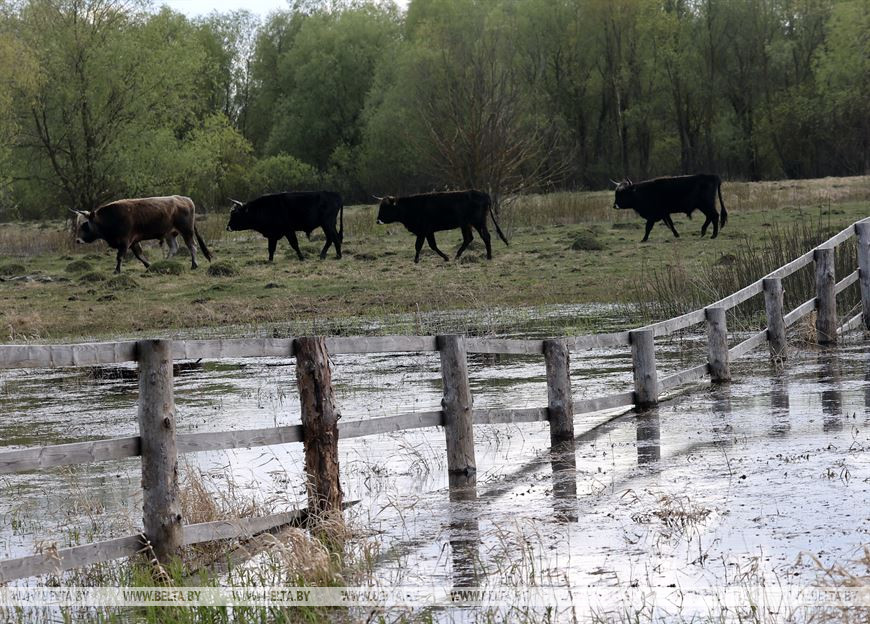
column 102, row 99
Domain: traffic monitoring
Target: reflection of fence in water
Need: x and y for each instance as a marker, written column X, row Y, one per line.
column 159, row 445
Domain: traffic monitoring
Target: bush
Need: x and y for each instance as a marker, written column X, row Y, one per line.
column 166, row 267
column 93, row 276
column 586, row 241
column 79, row 266
column 8, row 270
column 282, row 173
column 122, row 282
column 223, row 268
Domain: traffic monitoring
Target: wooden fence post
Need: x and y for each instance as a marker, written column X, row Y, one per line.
column 643, row 357
column 863, row 230
column 560, row 406
column 456, row 404
column 717, row 345
column 161, row 495
column 319, row 427
column 775, row 324
column 826, row 298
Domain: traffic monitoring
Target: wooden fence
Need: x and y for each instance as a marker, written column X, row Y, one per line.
column 159, row 445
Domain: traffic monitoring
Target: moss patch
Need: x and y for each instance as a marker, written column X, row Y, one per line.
column 166, row 267
column 586, row 241
column 223, row 268
column 79, row 266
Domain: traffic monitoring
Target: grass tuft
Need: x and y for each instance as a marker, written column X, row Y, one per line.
column 223, row 268
column 14, row 268
column 166, row 267
column 122, row 282
column 586, row 241
column 93, row 276
column 79, row 266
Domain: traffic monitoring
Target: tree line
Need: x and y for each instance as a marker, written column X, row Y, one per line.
column 101, row 99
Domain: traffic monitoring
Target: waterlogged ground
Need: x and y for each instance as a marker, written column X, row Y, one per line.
column 739, row 485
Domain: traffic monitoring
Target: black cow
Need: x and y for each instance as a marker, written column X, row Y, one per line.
column 428, row 213
column 657, row 199
column 283, row 214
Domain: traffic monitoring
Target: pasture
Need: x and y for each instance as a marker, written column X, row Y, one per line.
column 566, row 248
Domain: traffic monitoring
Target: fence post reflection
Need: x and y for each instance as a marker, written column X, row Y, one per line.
column 648, row 437
column 464, row 531
column 563, row 460
column 832, row 398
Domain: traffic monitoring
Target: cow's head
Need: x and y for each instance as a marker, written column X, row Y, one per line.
column 624, row 196
column 239, row 217
column 388, row 211
column 87, row 230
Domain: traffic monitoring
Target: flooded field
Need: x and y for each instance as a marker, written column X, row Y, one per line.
column 728, row 486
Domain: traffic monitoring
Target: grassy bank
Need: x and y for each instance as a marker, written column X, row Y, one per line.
column 565, row 248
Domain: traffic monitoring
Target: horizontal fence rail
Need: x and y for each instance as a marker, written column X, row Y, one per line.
column 320, row 428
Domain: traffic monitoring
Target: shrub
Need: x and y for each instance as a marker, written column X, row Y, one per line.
column 79, row 266
column 166, row 267
column 93, row 276
column 586, row 241
column 12, row 269
column 223, row 268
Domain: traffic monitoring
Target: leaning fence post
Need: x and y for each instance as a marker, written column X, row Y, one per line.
column 161, row 495
column 560, row 407
column 775, row 323
column 456, row 404
column 319, row 428
column 717, row 345
column 863, row 230
column 643, row 357
column 826, row 298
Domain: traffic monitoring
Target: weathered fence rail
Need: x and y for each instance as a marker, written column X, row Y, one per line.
column 159, row 445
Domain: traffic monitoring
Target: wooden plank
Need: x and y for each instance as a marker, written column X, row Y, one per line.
column 509, row 416
column 853, row 323
column 663, row 328
column 54, row 561
column 399, row 422
column 219, row 440
column 238, row 527
column 595, row 341
column 793, row 266
column 847, row 281
column 748, row 345
column 691, row 374
column 380, row 344
column 41, row 457
column 799, row 312
column 47, row 356
column 842, row 236
column 740, row 296
column 587, row 406
column 231, row 348
column 862, row 228
column 504, row 346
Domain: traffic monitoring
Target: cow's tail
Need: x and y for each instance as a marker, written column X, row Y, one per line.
column 202, row 246
column 494, row 222
column 341, row 223
column 723, row 214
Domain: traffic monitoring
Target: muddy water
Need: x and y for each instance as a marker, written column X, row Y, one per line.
column 717, row 486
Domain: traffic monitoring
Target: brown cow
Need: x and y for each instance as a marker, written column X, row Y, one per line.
column 126, row 222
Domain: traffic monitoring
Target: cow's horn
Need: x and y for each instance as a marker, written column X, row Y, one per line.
column 629, row 180
column 236, row 202
column 613, row 182
column 380, row 199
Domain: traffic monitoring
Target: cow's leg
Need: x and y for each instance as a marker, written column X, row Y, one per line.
column 329, row 240
column 467, row 237
column 669, row 222
column 137, row 251
column 418, row 246
column 715, row 219
column 121, row 251
column 188, row 242
column 707, row 222
column 273, row 243
column 431, row 240
column 172, row 246
column 487, row 241
column 332, row 233
column 291, row 238
column 649, row 226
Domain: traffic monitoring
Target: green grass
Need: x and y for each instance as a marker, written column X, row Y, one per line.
column 377, row 275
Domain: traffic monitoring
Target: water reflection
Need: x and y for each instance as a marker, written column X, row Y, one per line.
column 649, row 448
column 832, row 399
column 779, row 405
column 464, row 531
column 563, row 460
